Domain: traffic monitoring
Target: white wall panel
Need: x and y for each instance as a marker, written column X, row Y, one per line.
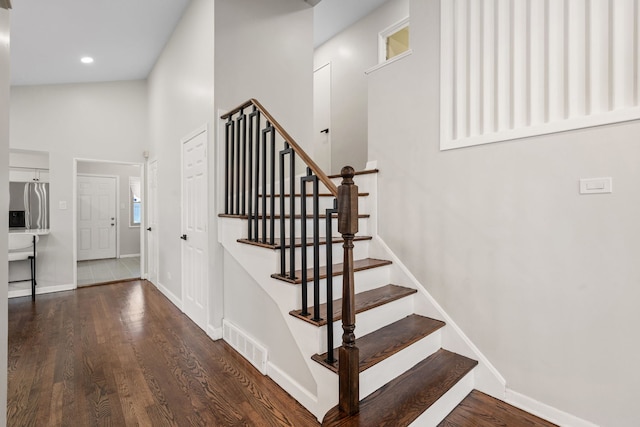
column 518, row 68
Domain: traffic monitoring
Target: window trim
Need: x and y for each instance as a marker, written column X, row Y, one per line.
column 134, row 180
column 384, row 34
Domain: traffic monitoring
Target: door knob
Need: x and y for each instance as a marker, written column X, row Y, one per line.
column 149, row 229
column 325, row 130
column 183, row 237
column 112, row 224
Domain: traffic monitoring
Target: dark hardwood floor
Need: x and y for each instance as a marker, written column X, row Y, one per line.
column 123, row 355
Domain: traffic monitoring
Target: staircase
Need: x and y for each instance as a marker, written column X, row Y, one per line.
column 408, row 365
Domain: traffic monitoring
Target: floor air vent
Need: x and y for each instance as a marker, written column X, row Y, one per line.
column 245, row 345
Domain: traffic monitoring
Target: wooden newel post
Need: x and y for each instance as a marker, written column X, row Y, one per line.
column 349, row 355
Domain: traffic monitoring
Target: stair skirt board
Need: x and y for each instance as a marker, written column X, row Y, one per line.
column 249, row 348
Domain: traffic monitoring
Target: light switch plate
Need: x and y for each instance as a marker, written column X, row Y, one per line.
column 596, row 185
column 62, row 205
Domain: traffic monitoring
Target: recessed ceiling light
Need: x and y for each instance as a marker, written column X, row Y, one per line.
column 86, row 60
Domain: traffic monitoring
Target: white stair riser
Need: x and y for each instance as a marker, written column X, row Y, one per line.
column 360, row 251
column 369, row 321
column 365, row 280
column 443, row 406
column 325, row 203
column 362, row 227
column 385, row 371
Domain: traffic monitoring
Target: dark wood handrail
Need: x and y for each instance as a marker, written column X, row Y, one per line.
column 333, row 189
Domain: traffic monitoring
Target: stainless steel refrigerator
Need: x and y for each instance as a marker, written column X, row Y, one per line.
column 29, row 205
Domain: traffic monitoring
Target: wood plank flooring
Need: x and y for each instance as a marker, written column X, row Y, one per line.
column 123, row 355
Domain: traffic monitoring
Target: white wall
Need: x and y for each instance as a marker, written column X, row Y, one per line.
column 180, row 101
column 101, row 121
column 543, row 280
column 4, row 201
column 250, row 308
column 351, row 53
column 264, row 50
column 128, row 236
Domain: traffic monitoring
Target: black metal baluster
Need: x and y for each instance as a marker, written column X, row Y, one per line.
column 303, row 237
column 256, row 218
column 329, row 238
column 316, row 252
column 238, row 149
column 250, row 172
column 264, row 183
column 283, row 255
column 272, row 237
column 243, row 125
column 292, row 211
column 226, row 166
column 232, row 174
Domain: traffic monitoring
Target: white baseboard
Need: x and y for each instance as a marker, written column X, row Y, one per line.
column 291, row 386
column 17, row 293
column 129, row 256
column 545, row 411
column 172, row 297
column 214, row 333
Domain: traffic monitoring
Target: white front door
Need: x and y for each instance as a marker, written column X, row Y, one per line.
column 195, row 257
column 96, row 217
column 322, row 117
column 152, row 223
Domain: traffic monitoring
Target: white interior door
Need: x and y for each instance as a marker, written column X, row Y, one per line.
column 322, row 117
column 152, row 223
column 194, row 225
column 96, row 217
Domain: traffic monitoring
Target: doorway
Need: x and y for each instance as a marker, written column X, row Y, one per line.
column 108, row 217
column 322, row 117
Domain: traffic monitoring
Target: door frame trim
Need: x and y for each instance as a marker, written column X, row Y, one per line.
column 74, row 211
column 145, row 219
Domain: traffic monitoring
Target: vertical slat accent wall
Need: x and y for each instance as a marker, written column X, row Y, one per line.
column 517, row 68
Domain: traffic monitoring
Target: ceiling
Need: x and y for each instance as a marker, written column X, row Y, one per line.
column 332, row 16
column 124, row 37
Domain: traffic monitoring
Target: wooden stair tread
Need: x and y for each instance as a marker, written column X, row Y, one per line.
column 405, row 398
column 358, row 265
column 481, row 410
column 298, row 242
column 364, row 301
column 363, row 172
column 387, row 341
column 297, row 216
